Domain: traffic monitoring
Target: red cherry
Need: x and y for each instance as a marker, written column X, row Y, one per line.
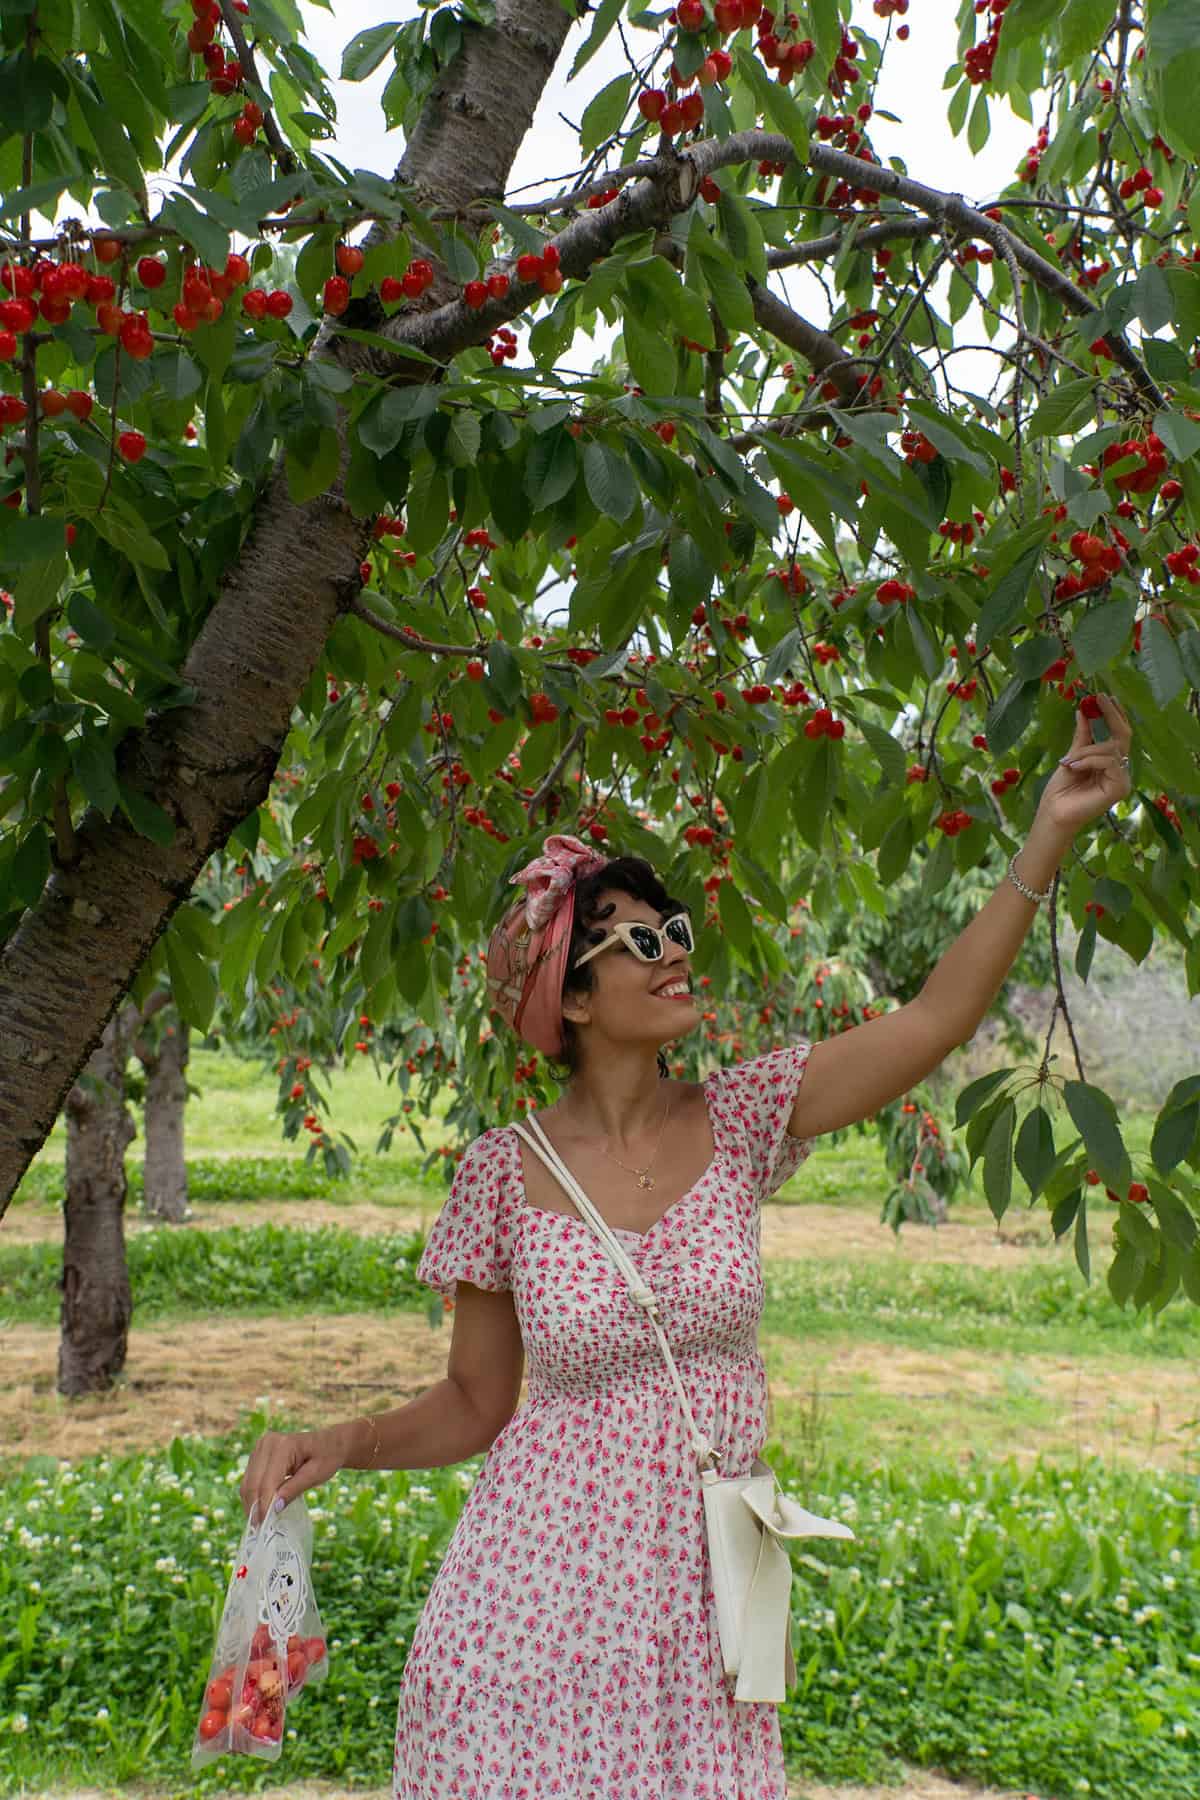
column 253, row 113
column 475, row 294
column 529, row 267
column 336, row 295
column 651, row 102
column 79, row 403
column 184, row 317
column 475, row 671
column 412, row 284
column 237, row 269
column 106, row 249
column 53, row 403
column 390, row 289
column 196, row 292
column 497, row 286
column 8, row 346
column 131, row 445
column 279, row 303
column 243, row 131
column 349, row 259
column 151, row 273
column 254, row 303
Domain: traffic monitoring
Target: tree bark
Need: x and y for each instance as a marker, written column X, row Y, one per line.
column 65, row 968
column 165, row 1169
column 97, row 1304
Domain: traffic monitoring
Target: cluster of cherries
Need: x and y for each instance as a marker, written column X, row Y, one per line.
column 224, row 75
column 1181, row 563
column 1141, row 182
column 977, row 63
column 257, row 1711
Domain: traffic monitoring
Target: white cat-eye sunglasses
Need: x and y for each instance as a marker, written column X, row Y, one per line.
column 647, row 942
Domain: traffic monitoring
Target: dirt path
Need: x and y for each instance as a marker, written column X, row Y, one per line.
column 919, row 1786
column 203, row 1376
column 792, row 1232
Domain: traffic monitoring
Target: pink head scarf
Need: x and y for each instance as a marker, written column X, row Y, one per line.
column 527, row 955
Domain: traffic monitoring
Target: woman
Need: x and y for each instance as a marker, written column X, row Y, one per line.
column 569, row 1644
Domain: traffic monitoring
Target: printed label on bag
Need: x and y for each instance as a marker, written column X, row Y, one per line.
column 284, row 1589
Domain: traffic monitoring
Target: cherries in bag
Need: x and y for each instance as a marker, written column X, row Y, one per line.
column 270, row 1643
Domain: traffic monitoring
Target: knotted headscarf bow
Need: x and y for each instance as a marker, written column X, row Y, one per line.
column 527, row 954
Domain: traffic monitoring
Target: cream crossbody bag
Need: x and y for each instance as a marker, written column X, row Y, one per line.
column 746, row 1517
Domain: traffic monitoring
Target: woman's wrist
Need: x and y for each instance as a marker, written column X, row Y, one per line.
column 354, row 1443
column 1041, row 855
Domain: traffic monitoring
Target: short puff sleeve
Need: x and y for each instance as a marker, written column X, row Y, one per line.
column 471, row 1238
column 759, row 1094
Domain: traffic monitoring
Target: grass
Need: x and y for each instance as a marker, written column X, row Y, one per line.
column 1031, row 1627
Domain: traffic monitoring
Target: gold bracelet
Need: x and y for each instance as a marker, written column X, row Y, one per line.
column 374, row 1427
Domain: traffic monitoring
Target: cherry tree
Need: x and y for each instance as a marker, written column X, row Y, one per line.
column 303, row 483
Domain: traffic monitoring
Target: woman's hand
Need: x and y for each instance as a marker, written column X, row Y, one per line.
column 288, row 1463
column 1097, row 779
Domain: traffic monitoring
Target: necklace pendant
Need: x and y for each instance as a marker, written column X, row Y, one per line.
column 645, row 1181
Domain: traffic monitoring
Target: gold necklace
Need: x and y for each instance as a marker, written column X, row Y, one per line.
column 644, row 1177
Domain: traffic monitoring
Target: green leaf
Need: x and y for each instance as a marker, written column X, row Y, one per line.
column 315, row 474
column 1099, row 637
column 1174, row 1135
column 1180, row 434
column 551, row 468
column 193, row 980
column 743, row 234
column 1009, row 716
column 147, row 817
column 735, row 919
column 895, row 850
column 384, row 420
column 209, row 240
column 606, row 16
column 690, row 574
column 1152, row 297
column 117, row 154
column 1067, row 406
column 980, row 123
column 975, row 1093
column 94, row 763
column 998, row 1160
column 1082, row 25
column 651, row 356
column 1035, row 1149
column 30, row 866
column 1005, row 605
column 26, row 539
column 609, row 482
column 464, row 437
column 1094, row 1117
column 94, row 627
column 1160, row 663
column 603, row 114
column 365, row 51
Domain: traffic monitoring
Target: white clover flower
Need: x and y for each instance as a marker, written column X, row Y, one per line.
column 35, row 1587
column 356, row 1581
column 1121, row 1603
column 1180, row 1729
column 101, row 1714
column 129, row 1588
column 97, row 1513
column 19, row 1722
column 1169, row 1582
column 1066, row 1598
column 885, row 1583
column 117, row 1497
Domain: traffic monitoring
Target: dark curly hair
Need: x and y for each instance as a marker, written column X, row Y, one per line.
column 634, row 876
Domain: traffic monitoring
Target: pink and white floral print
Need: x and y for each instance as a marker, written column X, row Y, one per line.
column 568, row 1646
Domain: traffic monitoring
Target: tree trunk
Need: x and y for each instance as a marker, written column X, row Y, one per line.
column 64, row 970
column 96, row 1301
column 165, row 1171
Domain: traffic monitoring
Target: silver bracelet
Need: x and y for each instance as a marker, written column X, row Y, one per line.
column 1020, row 885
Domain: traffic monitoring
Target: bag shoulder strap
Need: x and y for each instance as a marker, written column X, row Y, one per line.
column 644, row 1295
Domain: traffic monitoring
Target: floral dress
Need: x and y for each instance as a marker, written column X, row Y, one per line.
column 568, row 1645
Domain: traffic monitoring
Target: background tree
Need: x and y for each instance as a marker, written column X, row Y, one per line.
column 311, row 505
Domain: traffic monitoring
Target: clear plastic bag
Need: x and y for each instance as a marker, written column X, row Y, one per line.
column 270, row 1643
